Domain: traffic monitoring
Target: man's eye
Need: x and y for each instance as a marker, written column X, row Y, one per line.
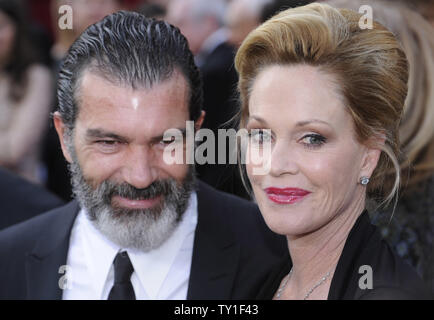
column 107, row 142
column 170, row 140
column 313, row 140
column 107, row 146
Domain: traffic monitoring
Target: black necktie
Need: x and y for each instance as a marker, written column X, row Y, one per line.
column 122, row 288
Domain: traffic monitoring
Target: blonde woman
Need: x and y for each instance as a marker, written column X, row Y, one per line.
column 328, row 97
column 411, row 228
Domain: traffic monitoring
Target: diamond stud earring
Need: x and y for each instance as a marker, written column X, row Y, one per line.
column 364, row 181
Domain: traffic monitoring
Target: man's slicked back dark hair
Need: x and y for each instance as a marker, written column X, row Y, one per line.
column 128, row 49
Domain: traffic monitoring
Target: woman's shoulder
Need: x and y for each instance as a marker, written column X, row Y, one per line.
column 368, row 268
column 394, row 293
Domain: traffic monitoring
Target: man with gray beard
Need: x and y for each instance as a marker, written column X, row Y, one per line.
column 139, row 228
column 142, row 228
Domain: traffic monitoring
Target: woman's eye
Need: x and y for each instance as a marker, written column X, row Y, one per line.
column 313, row 140
column 259, row 136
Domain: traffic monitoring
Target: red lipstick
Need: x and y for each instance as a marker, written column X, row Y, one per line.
column 286, row 195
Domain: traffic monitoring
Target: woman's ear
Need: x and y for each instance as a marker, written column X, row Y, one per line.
column 61, row 129
column 372, row 155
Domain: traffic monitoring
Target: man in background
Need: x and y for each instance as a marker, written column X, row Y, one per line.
column 242, row 16
column 21, row 200
column 202, row 22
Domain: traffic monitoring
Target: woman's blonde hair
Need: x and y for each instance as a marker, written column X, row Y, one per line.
column 416, row 130
column 369, row 65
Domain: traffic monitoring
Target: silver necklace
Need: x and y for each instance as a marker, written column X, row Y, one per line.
column 283, row 286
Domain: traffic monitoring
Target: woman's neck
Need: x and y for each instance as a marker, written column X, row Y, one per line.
column 315, row 254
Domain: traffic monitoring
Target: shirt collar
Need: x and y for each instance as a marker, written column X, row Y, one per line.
column 150, row 267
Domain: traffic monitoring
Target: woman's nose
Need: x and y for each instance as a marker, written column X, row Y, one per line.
column 283, row 160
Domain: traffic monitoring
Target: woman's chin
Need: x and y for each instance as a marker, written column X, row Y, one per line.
column 286, row 227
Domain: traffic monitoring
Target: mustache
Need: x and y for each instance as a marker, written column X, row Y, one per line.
column 125, row 190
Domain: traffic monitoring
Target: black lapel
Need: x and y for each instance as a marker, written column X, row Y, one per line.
column 345, row 280
column 215, row 253
column 49, row 254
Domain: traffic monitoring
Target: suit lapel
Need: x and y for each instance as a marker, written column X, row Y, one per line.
column 215, row 254
column 49, row 254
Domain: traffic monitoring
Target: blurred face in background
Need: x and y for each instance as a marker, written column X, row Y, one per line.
column 239, row 21
column 195, row 29
column 7, row 37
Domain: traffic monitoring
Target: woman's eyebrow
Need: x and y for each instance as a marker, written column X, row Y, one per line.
column 309, row 121
column 257, row 118
column 298, row 124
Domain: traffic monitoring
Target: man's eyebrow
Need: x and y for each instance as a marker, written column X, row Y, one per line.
column 100, row 133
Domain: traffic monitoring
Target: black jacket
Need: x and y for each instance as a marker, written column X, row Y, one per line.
column 220, row 104
column 392, row 278
column 21, row 200
column 233, row 251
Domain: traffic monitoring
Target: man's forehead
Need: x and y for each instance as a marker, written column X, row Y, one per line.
column 93, row 76
column 94, row 87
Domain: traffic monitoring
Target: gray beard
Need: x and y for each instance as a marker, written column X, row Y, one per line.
column 140, row 229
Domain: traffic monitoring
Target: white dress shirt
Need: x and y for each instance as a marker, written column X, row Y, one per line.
column 162, row 273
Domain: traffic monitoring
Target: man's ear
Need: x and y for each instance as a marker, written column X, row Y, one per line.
column 199, row 121
column 61, row 129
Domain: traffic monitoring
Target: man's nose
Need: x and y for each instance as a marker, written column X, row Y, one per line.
column 139, row 170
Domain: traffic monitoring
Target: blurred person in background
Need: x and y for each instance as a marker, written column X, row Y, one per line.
column 152, row 10
column 276, row 6
column 85, row 13
column 242, row 17
column 25, row 96
column 21, row 200
column 162, row 3
column 201, row 22
column 425, row 8
column 410, row 228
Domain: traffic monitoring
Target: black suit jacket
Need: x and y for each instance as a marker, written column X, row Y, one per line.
column 392, row 277
column 233, row 251
column 221, row 105
column 21, row 200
